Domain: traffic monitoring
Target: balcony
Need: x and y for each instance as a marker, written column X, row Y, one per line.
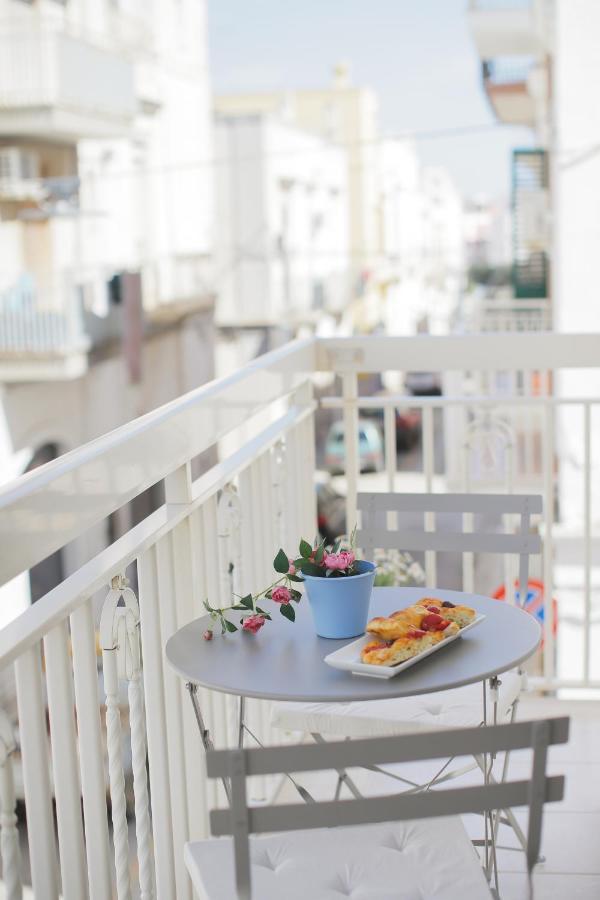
column 507, row 83
column 496, row 427
column 502, row 315
column 505, row 28
column 60, row 87
column 41, row 337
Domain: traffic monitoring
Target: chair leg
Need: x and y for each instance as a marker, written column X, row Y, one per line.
column 343, row 777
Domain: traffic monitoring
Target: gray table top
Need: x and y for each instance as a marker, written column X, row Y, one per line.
column 284, row 661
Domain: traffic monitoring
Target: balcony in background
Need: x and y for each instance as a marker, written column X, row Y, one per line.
column 504, row 28
column 58, row 86
column 42, row 336
column 510, row 84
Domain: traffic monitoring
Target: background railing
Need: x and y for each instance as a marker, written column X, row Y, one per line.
column 90, row 652
column 31, row 323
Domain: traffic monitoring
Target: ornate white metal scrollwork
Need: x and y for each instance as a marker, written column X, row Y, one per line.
column 229, row 518
column 121, row 659
column 9, row 834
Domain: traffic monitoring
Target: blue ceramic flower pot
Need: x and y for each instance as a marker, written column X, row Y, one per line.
column 340, row 606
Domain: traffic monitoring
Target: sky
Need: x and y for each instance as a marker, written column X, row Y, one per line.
column 417, row 55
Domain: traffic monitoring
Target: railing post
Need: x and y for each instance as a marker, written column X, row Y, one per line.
column 9, row 834
column 549, row 482
column 185, row 595
column 428, row 471
column 121, row 659
column 350, row 395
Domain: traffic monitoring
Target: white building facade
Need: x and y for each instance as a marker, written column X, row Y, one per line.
column 556, row 91
column 106, row 216
column 404, row 232
column 281, row 251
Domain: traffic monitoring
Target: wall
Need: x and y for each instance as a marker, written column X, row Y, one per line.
column 281, row 224
column 576, row 224
column 71, row 413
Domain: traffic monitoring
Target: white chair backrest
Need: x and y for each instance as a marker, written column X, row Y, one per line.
column 241, row 820
column 374, row 531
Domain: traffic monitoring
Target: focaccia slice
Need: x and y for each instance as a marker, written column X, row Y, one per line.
column 398, row 624
column 391, row 653
column 462, row 615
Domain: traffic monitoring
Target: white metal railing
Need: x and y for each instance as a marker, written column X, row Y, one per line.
column 503, row 314
column 45, row 325
column 213, row 534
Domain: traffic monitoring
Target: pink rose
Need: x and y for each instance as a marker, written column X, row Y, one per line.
column 292, row 568
column 253, row 623
column 281, row 595
column 208, row 635
column 339, row 561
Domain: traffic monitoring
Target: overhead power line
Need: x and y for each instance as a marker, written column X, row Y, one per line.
column 325, row 147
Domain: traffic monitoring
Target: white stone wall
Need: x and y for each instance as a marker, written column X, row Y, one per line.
column 281, row 223
column 575, row 183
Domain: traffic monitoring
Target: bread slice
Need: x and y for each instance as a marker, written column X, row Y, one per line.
column 398, row 624
column 462, row 615
column 391, row 653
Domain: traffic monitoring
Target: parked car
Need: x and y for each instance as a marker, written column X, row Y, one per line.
column 408, row 424
column 331, row 510
column 423, row 384
column 370, row 448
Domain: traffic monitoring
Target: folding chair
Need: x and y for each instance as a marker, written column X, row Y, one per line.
column 455, row 708
column 377, row 847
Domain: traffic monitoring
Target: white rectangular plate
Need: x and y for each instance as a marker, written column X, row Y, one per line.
column 348, row 657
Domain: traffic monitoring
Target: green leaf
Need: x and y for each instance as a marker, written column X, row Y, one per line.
column 281, row 562
column 320, row 554
column 329, row 573
column 229, row 625
column 295, row 578
column 296, row 595
column 309, row 568
column 207, row 606
column 305, row 549
column 247, row 601
column 336, row 546
column 263, row 612
column 288, row 611
column 239, row 606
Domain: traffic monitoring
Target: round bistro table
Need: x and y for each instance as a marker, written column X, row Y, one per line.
column 284, row 660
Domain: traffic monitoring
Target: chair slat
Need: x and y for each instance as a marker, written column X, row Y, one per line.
column 407, row 748
column 424, row 805
column 451, row 503
column 451, row 542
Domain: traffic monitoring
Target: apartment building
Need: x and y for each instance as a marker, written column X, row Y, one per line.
column 281, row 233
column 541, row 68
column 106, row 214
column 395, row 218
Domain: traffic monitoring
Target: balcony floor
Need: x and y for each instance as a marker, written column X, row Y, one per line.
column 570, row 828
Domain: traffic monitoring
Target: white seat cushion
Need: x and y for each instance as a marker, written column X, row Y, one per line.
column 457, row 708
column 425, row 860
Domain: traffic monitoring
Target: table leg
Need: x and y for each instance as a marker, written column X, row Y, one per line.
column 491, row 867
column 241, row 725
column 207, row 743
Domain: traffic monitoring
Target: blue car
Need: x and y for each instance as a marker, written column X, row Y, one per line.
column 370, row 448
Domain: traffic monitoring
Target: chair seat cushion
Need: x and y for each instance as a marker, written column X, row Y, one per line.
column 457, row 708
column 425, row 860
